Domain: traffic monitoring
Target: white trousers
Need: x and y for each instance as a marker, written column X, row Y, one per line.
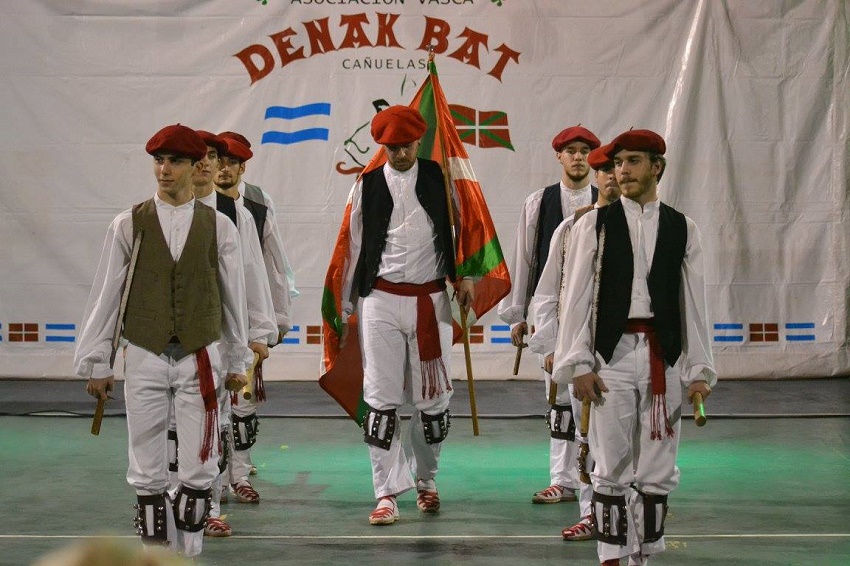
column 392, row 375
column 240, row 460
column 151, row 384
column 585, row 490
column 620, row 440
column 562, row 453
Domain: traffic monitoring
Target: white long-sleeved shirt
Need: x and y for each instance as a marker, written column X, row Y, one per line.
column 410, row 255
column 274, row 259
column 273, row 232
column 573, row 353
column 544, row 303
column 91, row 359
column 262, row 325
column 512, row 307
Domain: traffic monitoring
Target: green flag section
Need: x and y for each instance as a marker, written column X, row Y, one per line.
column 477, row 250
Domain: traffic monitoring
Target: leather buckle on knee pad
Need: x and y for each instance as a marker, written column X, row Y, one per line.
column 245, row 431
column 608, row 528
column 224, row 451
column 172, row 450
column 191, row 508
column 151, row 519
column 654, row 514
column 436, row 426
column 561, row 422
column 379, row 427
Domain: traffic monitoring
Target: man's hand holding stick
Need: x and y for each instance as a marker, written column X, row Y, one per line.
column 697, row 392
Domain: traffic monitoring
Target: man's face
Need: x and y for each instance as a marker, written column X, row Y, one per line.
column 229, row 172
column 636, row 174
column 573, row 158
column 173, row 173
column 402, row 157
column 209, row 167
column 606, row 181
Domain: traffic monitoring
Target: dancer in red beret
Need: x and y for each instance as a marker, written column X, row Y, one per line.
column 257, row 203
column 633, row 332
column 183, row 322
column 400, row 256
column 541, row 214
column 546, row 308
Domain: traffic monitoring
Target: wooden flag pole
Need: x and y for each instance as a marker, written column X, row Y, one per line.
column 473, row 408
column 463, row 322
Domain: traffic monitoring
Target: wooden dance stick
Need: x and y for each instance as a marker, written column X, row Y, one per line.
column 248, row 389
column 583, row 449
column 518, row 357
column 553, row 392
column 98, row 416
column 699, row 409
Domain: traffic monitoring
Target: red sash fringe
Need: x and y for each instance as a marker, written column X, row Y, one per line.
column 207, row 384
column 656, row 375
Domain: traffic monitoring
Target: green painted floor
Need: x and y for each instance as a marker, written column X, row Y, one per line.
column 753, row 491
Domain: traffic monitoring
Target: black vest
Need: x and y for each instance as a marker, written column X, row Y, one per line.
column 664, row 279
column 253, row 199
column 377, row 206
column 550, row 217
column 227, row 206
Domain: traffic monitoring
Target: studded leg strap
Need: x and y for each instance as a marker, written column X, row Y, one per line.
column 151, row 519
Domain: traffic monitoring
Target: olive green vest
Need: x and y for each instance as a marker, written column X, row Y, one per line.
column 171, row 299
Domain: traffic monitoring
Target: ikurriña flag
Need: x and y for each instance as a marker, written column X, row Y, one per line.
column 483, row 128
column 478, row 253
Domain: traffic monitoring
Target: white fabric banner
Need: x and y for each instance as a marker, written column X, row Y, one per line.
column 750, row 96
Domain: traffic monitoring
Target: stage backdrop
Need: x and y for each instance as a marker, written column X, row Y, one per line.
column 752, row 98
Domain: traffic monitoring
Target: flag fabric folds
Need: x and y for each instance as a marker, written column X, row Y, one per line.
column 478, row 253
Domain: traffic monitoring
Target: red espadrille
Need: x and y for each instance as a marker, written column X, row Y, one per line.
column 386, row 513
column 583, row 530
column 427, row 498
column 553, row 494
column 245, row 493
column 217, row 527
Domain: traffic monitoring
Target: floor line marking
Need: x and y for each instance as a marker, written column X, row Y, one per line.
column 439, row 537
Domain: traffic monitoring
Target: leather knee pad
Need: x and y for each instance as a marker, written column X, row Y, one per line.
column 245, row 431
column 224, row 452
column 654, row 514
column 610, row 527
column 436, row 426
column 191, row 508
column 172, row 450
column 379, row 427
column 562, row 425
column 151, row 521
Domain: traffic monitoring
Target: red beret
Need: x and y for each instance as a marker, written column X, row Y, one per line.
column 178, row 140
column 638, row 140
column 237, row 150
column 236, row 136
column 575, row 133
column 599, row 158
column 398, row 125
column 213, row 140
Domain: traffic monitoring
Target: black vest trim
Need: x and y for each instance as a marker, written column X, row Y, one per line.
column 377, row 206
column 664, row 279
